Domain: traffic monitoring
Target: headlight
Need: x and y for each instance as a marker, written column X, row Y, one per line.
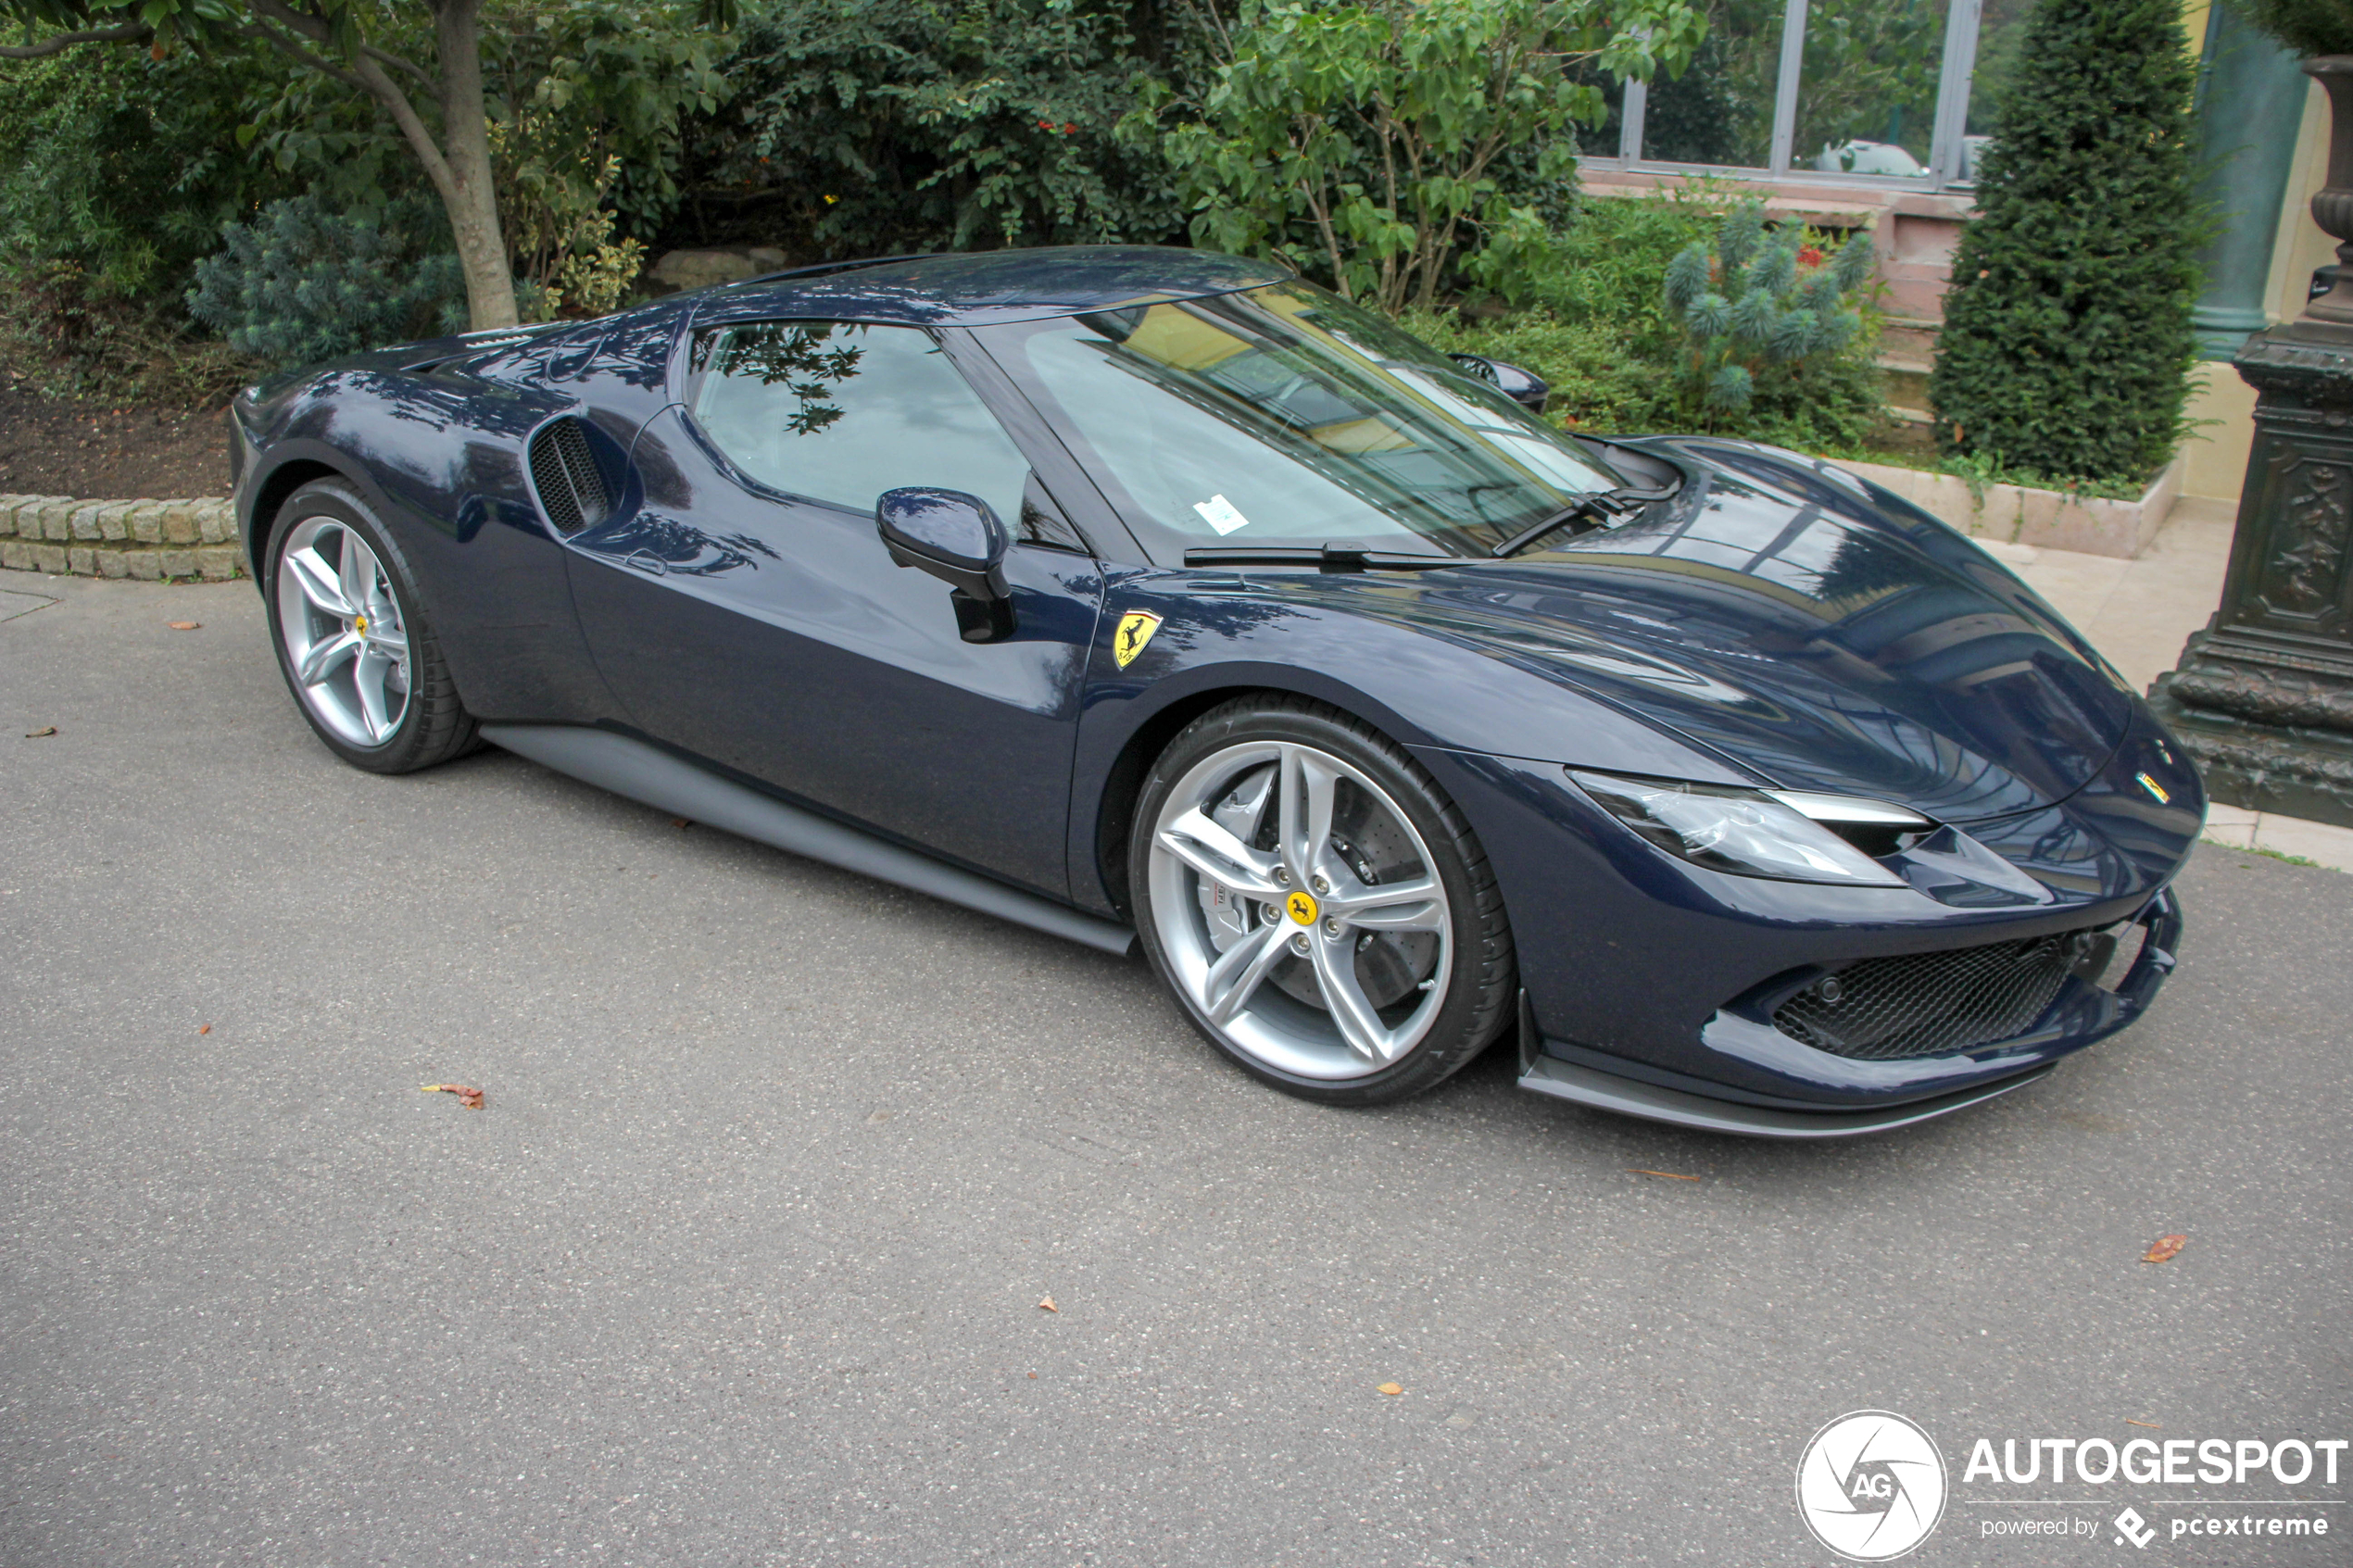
column 1750, row 831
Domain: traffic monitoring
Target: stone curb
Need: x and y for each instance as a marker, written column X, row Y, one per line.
column 149, row 540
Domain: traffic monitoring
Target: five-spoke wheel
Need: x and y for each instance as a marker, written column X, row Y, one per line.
column 1301, row 885
column 342, row 634
column 366, row 670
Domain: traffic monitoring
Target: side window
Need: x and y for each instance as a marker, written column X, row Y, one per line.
column 840, row 412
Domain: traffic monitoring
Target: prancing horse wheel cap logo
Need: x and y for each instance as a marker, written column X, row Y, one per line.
column 1871, row 1486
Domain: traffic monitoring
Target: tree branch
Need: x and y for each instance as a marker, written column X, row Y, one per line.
column 129, row 32
column 424, row 77
column 294, row 51
column 370, row 78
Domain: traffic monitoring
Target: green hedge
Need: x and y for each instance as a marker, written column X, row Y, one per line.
column 2066, row 347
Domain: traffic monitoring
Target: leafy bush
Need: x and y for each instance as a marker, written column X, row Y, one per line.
column 1756, row 311
column 62, row 336
column 1602, row 332
column 123, row 165
column 2067, row 346
column 301, row 284
column 559, row 233
column 868, row 127
column 1360, row 141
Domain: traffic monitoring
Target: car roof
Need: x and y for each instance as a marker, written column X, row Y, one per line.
column 974, row 288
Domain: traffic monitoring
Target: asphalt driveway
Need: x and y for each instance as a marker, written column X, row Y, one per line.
column 743, row 1261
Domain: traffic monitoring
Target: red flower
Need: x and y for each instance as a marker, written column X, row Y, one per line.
column 1810, row 255
column 1070, row 130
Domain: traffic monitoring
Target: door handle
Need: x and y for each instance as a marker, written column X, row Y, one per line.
column 646, row 561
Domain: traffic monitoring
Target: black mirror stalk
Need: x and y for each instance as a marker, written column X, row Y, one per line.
column 957, row 538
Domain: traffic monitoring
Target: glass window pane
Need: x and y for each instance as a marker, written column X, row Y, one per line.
column 843, row 413
column 1720, row 109
column 2001, row 33
column 1867, row 100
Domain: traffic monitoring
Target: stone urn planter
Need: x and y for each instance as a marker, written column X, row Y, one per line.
column 2263, row 696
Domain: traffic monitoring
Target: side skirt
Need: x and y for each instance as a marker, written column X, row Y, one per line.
column 653, row 777
column 1605, row 1091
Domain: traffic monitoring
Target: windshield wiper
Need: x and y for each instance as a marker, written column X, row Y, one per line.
column 1338, row 556
column 1600, row 505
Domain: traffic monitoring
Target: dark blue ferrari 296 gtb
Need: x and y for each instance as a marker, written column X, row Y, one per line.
column 1141, row 594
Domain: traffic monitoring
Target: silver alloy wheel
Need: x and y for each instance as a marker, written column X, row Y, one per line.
column 1299, row 910
column 341, row 628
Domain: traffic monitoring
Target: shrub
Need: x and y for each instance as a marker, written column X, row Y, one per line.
column 1601, row 332
column 1361, row 142
column 124, row 165
column 63, row 336
column 868, row 127
column 1758, row 310
column 300, row 284
column 2067, row 346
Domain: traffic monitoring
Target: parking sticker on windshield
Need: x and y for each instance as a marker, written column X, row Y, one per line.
column 1219, row 513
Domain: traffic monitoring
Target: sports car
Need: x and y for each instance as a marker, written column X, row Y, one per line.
column 1158, row 598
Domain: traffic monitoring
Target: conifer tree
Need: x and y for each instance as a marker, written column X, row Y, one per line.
column 2066, row 347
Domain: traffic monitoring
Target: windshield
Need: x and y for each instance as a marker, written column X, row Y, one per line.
column 1284, row 416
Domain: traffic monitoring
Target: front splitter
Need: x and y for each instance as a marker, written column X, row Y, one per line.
column 1605, row 1091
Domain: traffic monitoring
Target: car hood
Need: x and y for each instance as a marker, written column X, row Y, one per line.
column 1816, row 630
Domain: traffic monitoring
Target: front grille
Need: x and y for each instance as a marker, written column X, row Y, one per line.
column 572, row 489
column 1931, row 1004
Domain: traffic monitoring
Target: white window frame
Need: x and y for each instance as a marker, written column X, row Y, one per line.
column 1954, row 77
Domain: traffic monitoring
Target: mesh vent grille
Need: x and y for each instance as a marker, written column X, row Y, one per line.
column 1931, row 1004
column 571, row 488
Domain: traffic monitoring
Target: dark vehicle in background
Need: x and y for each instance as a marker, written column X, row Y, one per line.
column 1154, row 595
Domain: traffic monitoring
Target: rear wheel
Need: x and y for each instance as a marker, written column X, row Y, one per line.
column 1323, row 913
column 353, row 645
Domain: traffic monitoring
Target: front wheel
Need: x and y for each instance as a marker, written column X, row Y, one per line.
column 1324, row 915
column 353, row 644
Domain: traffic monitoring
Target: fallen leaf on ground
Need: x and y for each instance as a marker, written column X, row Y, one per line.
column 2152, row 1425
column 44, row 731
column 1391, row 1388
column 206, row 1029
column 468, row 1096
column 2167, row 1246
column 1670, row 1175
column 1048, row 1305
column 187, row 625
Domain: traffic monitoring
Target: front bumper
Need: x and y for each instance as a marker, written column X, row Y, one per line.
column 2082, row 1013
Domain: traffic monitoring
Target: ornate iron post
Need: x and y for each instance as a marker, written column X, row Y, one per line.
column 2264, row 695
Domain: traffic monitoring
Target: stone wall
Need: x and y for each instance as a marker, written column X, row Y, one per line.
column 149, row 540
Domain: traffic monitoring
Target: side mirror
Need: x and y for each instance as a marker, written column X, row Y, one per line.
column 957, row 539
column 1524, row 387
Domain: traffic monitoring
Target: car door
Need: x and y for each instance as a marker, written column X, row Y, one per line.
column 748, row 613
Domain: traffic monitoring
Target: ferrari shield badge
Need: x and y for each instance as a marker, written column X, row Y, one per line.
column 1136, row 629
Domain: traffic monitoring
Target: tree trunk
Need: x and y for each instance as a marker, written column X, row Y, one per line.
column 471, row 196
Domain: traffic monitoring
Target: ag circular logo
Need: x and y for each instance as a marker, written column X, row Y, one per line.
column 1871, row 1486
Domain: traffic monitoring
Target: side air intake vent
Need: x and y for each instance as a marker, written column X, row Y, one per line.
column 571, row 488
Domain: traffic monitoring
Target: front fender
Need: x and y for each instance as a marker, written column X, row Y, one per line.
column 1213, row 635
column 441, row 465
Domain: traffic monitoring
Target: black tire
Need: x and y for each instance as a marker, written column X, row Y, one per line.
column 435, row 726
column 1483, row 977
